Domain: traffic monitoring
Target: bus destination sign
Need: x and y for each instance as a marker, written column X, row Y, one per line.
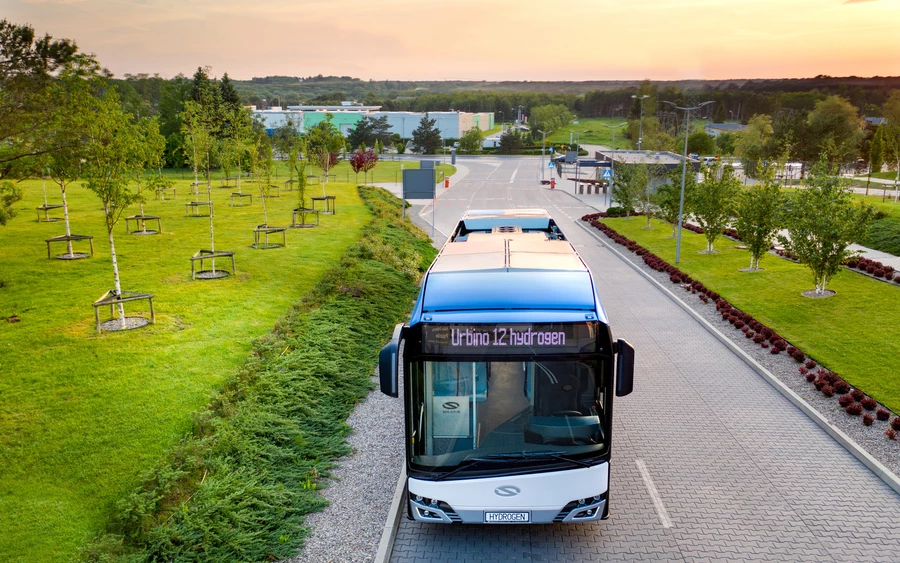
column 559, row 338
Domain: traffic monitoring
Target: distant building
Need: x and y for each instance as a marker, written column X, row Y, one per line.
column 451, row 124
column 276, row 118
column 665, row 159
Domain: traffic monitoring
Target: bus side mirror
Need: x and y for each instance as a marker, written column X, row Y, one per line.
column 624, row 368
column 388, row 361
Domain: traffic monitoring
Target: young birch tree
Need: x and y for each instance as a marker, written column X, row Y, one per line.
column 631, row 182
column 758, row 214
column 713, row 202
column 823, row 220
column 234, row 141
column 151, row 146
column 668, row 197
column 324, row 141
column 116, row 154
column 199, row 129
column 74, row 96
column 262, row 162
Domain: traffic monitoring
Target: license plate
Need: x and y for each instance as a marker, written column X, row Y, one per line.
column 507, row 517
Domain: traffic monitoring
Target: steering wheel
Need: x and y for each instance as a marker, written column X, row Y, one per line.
column 567, row 413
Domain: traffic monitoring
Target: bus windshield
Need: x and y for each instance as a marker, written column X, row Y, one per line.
column 510, row 407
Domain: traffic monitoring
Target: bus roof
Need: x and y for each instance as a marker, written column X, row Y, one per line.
column 510, row 261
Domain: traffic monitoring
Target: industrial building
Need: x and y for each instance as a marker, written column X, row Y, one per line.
column 451, row 124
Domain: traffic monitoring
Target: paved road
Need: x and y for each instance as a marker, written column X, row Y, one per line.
column 740, row 472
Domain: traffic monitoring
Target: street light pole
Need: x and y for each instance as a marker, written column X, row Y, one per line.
column 687, row 114
column 641, row 122
column 613, row 163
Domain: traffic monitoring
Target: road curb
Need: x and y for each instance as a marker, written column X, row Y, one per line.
column 386, row 545
column 882, row 472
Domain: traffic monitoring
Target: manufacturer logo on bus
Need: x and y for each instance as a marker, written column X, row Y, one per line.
column 450, row 405
column 508, row 491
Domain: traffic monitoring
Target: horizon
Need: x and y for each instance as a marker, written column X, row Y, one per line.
column 499, row 41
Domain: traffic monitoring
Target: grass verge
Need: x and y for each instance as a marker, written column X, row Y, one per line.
column 839, row 332
column 82, row 415
column 238, row 486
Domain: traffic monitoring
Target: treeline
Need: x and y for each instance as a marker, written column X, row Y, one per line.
column 736, row 100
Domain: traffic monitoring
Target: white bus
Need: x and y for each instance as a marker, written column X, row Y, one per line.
column 509, row 369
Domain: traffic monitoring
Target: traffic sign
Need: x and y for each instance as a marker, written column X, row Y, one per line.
column 551, row 164
column 606, row 173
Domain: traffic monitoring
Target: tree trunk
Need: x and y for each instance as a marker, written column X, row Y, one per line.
column 212, row 240
column 196, row 185
column 821, row 281
column 897, row 180
column 115, row 264
column 65, row 204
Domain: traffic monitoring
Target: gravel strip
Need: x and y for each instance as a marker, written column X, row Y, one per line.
column 361, row 486
column 782, row 366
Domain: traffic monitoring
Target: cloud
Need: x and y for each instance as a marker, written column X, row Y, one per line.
column 856, row 1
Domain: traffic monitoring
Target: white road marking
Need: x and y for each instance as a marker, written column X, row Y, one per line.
column 654, row 494
column 513, row 178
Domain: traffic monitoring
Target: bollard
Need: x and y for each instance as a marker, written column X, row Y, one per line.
column 446, row 182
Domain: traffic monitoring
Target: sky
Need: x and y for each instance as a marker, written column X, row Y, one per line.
column 479, row 39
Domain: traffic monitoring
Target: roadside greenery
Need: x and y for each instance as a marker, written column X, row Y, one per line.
column 822, row 221
column 713, row 201
column 238, row 487
column 836, row 332
column 668, row 197
column 85, row 415
column 472, row 140
column 758, row 215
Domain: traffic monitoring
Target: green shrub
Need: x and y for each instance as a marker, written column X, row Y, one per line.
column 884, row 235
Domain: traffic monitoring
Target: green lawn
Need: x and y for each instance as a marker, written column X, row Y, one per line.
column 849, row 333
column 889, row 175
column 82, row 415
column 593, row 133
column 384, row 171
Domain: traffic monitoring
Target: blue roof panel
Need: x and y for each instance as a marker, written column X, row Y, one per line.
column 508, row 290
column 486, row 223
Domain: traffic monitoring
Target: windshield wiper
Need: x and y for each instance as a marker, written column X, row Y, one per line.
column 561, row 456
column 466, row 464
column 499, row 458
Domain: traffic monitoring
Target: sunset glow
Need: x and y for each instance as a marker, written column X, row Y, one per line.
column 480, row 40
